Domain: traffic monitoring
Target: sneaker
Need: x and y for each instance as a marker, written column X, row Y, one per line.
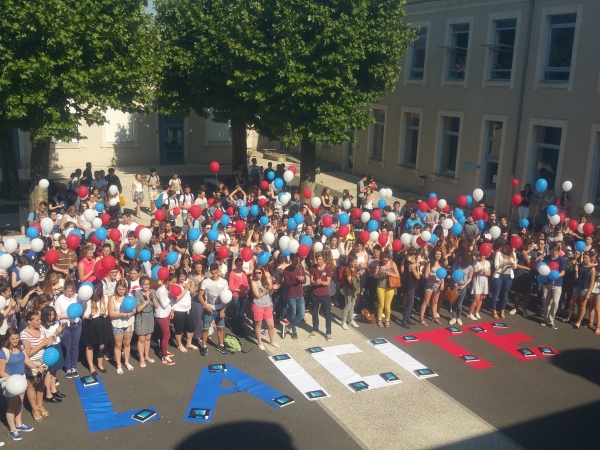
column 74, row 373
column 328, row 338
column 513, row 311
column 203, row 350
column 69, row 373
column 452, row 321
column 472, row 317
column 543, row 324
column 437, row 316
column 169, row 354
column 458, row 321
column 15, row 435
column 285, row 321
column 354, row 324
column 275, row 344
column 294, row 336
column 24, row 428
column 283, row 330
column 261, row 346
column 221, row 349
column 168, row 361
column 312, row 334
column 551, row 325
column 355, row 316
column 263, row 332
column 477, row 315
column 525, row 313
column 344, row 326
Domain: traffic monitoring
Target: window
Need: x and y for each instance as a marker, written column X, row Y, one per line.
column 417, row 64
column 411, row 139
column 326, row 145
column 119, row 127
column 217, row 132
column 547, row 149
column 560, row 48
column 458, row 52
column 503, row 49
column 493, row 143
column 449, row 150
column 377, row 134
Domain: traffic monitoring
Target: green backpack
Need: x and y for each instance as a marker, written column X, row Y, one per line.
column 233, row 344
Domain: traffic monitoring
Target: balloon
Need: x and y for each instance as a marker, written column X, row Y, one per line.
column 264, row 220
column 277, row 183
column 50, row 356
column 99, row 207
column 284, row 199
column 240, row 225
column 175, row 290
column 146, row 235
column 113, row 202
column 515, row 182
column 553, row 265
column 459, row 214
column 213, row 234
column 356, row 213
column 457, row 229
column 198, row 248
column 317, row 247
column 405, row 238
column 423, row 207
column 588, row 229
column 432, row 202
column 214, row 167
column 588, row 208
column 485, row 249
column 516, row 241
column 346, row 204
column 327, row 220
column 573, row 224
column 442, row 203
column 96, row 223
column 210, row 201
column 481, row 224
column 158, row 202
column 446, row 208
column 542, row 278
column 580, row 228
column 343, row 219
column 567, row 186
column 373, row 236
column 396, row 245
column 541, row 185
column 268, row 238
column 293, row 245
column 447, row 223
column 477, row 213
column 270, row 175
column 382, row 239
column 26, row 274
column 552, row 210
column 580, row 246
column 85, row 292
column 37, row 245
column 247, row 254
column 226, row 295
column 292, row 224
column 130, row 252
column 43, row 184
column 47, row 225
column 343, row 231
column 433, row 239
column 554, row 220
column 315, row 202
column 73, row 241
column 114, row 234
column 16, row 384
column 462, row 200
column 112, row 190
column 477, row 194
column 172, row 258
column 145, row 255
column 108, row 263
column 458, row 275
column 89, row 215
column 328, row 231
column 128, row 304
column 244, row 211
column 155, row 270
column 469, row 199
column 225, row 219
column 495, row 232
column 254, row 210
column 6, row 260
column 544, row 269
column 284, row 242
column 303, row 250
column 159, row 215
column 554, row 275
column 105, row 219
column 524, row 223
column 32, row 232
column 306, row 240
column 516, row 199
column 288, row 176
column 194, row 234
column 365, row 236
column 292, row 169
column 381, row 203
column 376, row 214
column 52, row 256
column 76, row 232
column 391, row 217
column 561, row 216
column 307, row 193
column 372, row 225
column 83, row 192
column 365, row 217
column 441, row 273
column 74, row 311
column 163, row 273
column 425, row 235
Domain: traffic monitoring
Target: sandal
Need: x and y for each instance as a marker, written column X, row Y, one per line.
column 387, row 324
column 422, row 322
column 436, row 320
column 182, row 349
column 150, row 360
column 597, row 331
column 566, row 320
column 192, row 347
column 495, row 315
column 120, row 370
column 129, row 366
column 143, row 365
column 502, row 315
column 44, row 412
column 379, row 324
column 37, row 418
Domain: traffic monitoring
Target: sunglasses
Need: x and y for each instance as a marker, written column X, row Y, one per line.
column 257, row 273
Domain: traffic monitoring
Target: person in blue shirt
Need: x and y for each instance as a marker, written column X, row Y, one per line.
column 412, row 221
column 552, row 290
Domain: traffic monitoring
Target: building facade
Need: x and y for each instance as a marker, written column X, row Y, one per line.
column 491, row 90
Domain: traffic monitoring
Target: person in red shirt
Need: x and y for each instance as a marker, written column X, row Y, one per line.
column 320, row 278
column 239, row 287
column 294, row 278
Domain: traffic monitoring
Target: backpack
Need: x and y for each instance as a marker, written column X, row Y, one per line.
column 233, row 344
column 341, row 279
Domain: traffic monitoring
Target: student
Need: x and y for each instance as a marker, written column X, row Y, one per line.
column 97, row 332
column 186, row 200
column 214, row 309
column 137, row 193
column 122, row 323
column 72, row 331
column 505, row 261
column 153, row 182
column 52, row 327
column 552, row 290
column 294, row 278
column 175, row 183
column 163, row 314
column 183, row 321
column 463, row 262
column 433, row 286
column 144, row 320
column 320, row 278
column 350, row 290
column 479, row 288
column 386, row 269
column 262, row 305
column 411, row 276
column 239, row 287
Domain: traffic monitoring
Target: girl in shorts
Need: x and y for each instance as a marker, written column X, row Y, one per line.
column 481, row 272
column 122, row 323
column 433, row 286
column 262, row 307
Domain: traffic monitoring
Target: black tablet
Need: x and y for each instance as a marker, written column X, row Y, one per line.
column 143, row 415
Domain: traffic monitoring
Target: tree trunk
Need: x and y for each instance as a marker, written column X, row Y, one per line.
column 238, row 143
column 10, row 171
column 40, row 166
column 309, row 165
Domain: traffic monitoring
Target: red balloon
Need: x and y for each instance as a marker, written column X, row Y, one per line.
column 163, row 254
column 486, row 249
column 100, row 274
column 553, row 265
column 175, row 290
column 52, row 256
column 83, row 192
column 105, row 219
column 247, row 254
column 396, row 245
column 376, row 214
column 423, row 207
column 292, row 169
column 343, row 231
column 114, row 235
column 462, row 200
column 307, row 193
column 214, row 167
column 356, row 212
column 95, row 240
column 264, row 185
column 446, row 208
column 516, row 199
column 98, row 267
column 573, row 225
column 382, row 239
column 303, row 250
column 421, row 242
column 195, row 211
column 163, row 273
column 73, row 241
column 262, row 202
column 223, row 252
column 196, row 258
column 138, row 229
column 108, row 263
column 327, row 221
column 218, row 214
column 562, row 217
column 516, row 241
column 365, row 236
column 485, row 217
column 477, row 214
column 432, row 202
column 230, row 210
column 588, row 228
column 176, row 211
column 515, row 182
column 159, row 215
column 240, row 225
column 37, row 227
column 210, row 201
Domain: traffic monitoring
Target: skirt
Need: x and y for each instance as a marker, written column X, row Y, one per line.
column 144, row 323
column 97, row 331
column 138, row 197
column 480, row 285
column 61, row 361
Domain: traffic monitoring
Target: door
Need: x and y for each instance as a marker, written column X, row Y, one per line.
column 348, row 157
column 171, row 139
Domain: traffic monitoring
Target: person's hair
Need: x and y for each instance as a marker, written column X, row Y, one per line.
column 40, row 300
column 351, row 258
column 48, row 283
column 318, row 255
column 121, row 283
column 11, row 332
column 130, row 234
column 555, row 246
column 510, row 253
column 126, row 214
column 71, row 211
column 31, row 314
column 69, row 284
column 213, row 266
column 46, row 311
column 176, row 230
column 4, row 287
column 144, row 279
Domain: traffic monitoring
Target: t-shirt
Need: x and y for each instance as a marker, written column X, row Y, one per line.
column 164, row 303
column 15, row 364
column 292, row 284
column 432, row 216
column 321, row 274
column 185, row 303
column 124, row 229
column 562, row 266
column 182, row 243
column 152, row 180
column 212, row 291
column 359, row 186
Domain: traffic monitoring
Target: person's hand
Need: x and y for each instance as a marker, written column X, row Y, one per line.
column 222, row 313
column 41, row 368
column 208, row 308
column 47, row 341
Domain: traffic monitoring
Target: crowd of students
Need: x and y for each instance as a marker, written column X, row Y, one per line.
column 264, row 253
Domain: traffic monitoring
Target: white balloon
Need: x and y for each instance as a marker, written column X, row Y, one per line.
column 284, row 242
column 145, row 235
column 26, row 274
column 89, row 215
column 226, row 295
column 6, row 261
column 56, row 236
column 442, row 203
column 2, row 303
column 43, row 184
column 567, row 186
column 47, row 224
column 425, row 235
column 285, row 199
column 447, row 224
column 97, row 222
column 373, row 236
column 383, row 193
column 16, row 384
column 113, row 201
column 391, row 217
column 88, row 232
column 413, row 242
column 365, row 217
column 544, row 270
column 10, row 245
column 346, row 204
column 268, row 238
column 36, row 279
column 85, row 292
column 315, row 202
column 388, row 193
column 293, row 245
column 495, row 232
column 288, row 176
column 555, row 219
column 477, row 195
column 317, row 247
column 198, row 248
column 37, row 245
column 113, row 190
column 405, row 238
column 580, row 228
column 588, row 208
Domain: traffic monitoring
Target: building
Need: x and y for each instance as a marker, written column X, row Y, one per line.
column 490, row 90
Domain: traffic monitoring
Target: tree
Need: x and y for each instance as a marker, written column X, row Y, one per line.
column 63, row 62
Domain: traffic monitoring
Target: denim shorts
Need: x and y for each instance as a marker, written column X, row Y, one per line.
column 433, row 287
column 578, row 290
column 207, row 319
column 118, row 331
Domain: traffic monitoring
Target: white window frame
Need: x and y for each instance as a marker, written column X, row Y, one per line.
column 483, row 143
column 543, row 45
column 489, row 51
column 403, row 134
column 409, row 55
column 592, row 174
column 134, row 126
column 437, row 168
column 370, row 158
column 448, row 43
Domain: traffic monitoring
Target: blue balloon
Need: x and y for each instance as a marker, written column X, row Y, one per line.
column 263, row 258
column 130, row 252
column 432, row 195
column 542, row 278
column 541, row 185
column 552, row 210
column 481, row 224
column 225, row 219
column 286, row 252
column 554, row 275
column 215, row 226
column 77, row 232
column 213, row 234
column 158, row 202
column 32, row 232
column 343, row 219
column 172, row 258
column 270, row 175
column 381, row 203
column 50, row 356
column 306, row 240
column 456, row 229
column 2, row 252
column 469, row 199
column 441, row 273
column 101, row 233
column 254, row 210
column 155, row 272
column 462, row 220
column 433, row 239
column 372, row 225
column 299, row 218
column 580, row 246
column 459, row 214
column 99, row 207
column 421, row 214
column 74, row 311
column 328, row 231
column 194, row 234
column 128, row 304
column 524, row 223
column 292, row 223
column 145, row 255
column 278, row 183
column 264, row 220
column 244, row 211
column 458, row 275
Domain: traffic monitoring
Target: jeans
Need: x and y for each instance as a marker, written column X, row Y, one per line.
column 385, row 297
column 350, row 300
column 551, row 298
column 238, row 306
column 165, row 328
column 296, row 306
column 70, row 342
column 457, row 305
column 502, row 286
column 410, row 302
column 325, row 301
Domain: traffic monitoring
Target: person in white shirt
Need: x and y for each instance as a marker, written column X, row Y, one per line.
column 127, row 226
column 163, row 314
column 186, row 200
column 99, row 183
column 214, row 309
column 201, row 200
column 153, row 182
column 72, row 332
column 182, row 319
